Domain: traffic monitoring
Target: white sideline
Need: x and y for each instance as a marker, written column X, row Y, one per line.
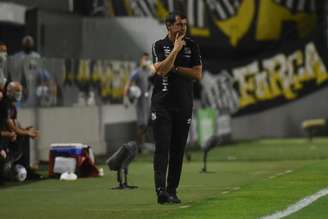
column 298, row 205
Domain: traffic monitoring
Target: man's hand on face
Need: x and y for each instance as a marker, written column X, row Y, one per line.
column 179, row 42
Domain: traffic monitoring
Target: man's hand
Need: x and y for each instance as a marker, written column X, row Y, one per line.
column 12, row 136
column 179, row 42
column 125, row 101
column 34, row 134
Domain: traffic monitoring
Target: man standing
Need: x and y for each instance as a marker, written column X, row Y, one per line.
column 177, row 63
column 29, row 63
column 140, row 79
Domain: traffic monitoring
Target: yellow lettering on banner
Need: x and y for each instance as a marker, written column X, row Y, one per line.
column 295, row 67
column 246, row 82
column 314, row 65
column 274, row 77
column 236, row 27
column 271, row 17
column 278, row 74
column 262, row 87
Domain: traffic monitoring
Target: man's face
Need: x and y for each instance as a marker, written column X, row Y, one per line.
column 144, row 60
column 15, row 92
column 179, row 26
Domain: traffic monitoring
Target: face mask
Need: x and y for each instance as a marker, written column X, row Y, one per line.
column 15, row 96
column 18, row 95
column 146, row 64
column 3, row 57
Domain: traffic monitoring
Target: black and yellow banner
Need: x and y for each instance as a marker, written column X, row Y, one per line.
column 259, row 53
column 263, row 53
column 268, row 80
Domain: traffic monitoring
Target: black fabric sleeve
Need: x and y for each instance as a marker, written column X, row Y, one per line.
column 196, row 58
column 158, row 52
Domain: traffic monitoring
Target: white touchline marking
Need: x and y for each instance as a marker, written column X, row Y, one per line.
column 298, row 205
column 280, row 174
column 32, row 190
column 185, row 206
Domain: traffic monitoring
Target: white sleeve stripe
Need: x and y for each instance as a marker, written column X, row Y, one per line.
column 154, row 53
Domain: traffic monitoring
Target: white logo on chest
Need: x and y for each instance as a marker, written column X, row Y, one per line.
column 153, row 116
column 187, row 52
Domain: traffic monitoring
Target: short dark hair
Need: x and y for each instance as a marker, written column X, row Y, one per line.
column 172, row 16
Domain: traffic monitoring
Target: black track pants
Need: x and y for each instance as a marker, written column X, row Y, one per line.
column 170, row 129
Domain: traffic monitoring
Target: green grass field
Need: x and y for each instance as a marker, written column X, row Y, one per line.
column 247, row 180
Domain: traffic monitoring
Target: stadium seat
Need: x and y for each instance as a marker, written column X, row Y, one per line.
column 312, row 126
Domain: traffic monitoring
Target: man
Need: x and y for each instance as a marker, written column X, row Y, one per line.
column 3, row 66
column 8, row 115
column 5, row 135
column 140, row 79
column 177, row 63
column 14, row 92
column 29, row 62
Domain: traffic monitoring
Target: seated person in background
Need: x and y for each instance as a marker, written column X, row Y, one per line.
column 5, row 138
column 13, row 94
column 8, row 114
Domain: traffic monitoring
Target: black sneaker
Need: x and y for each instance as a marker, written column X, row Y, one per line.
column 174, row 199
column 163, row 197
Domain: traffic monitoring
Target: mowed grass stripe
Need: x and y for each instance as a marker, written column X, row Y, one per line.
column 93, row 198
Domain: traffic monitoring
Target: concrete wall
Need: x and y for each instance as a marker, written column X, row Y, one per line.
column 284, row 121
column 119, row 38
column 64, row 35
column 76, row 124
column 106, row 127
column 58, row 35
column 57, row 5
